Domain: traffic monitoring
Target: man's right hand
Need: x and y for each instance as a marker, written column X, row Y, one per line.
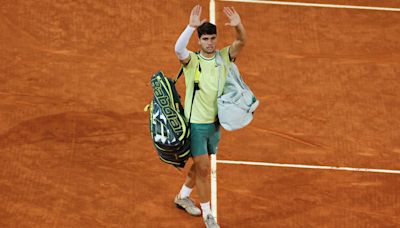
column 195, row 17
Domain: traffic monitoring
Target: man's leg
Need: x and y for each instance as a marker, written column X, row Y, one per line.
column 200, row 135
column 182, row 200
column 189, row 184
column 203, row 171
column 202, row 163
column 190, row 181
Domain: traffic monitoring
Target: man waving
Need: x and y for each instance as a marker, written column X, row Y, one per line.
column 204, row 126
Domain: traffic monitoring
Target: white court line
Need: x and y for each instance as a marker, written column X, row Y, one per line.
column 214, row 186
column 309, row 166
column 314, row 5
column 213, row 156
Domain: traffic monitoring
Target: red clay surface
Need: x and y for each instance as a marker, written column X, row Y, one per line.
column 75, row 149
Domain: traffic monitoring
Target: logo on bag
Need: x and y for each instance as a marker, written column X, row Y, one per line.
column 165, row 105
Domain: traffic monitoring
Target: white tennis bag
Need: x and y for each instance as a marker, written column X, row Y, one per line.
column 237, row 102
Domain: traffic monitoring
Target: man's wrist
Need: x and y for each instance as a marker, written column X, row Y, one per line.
column 240, row 24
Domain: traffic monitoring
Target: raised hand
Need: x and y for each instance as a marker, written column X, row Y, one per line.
column 233, row 16
column 194, row 20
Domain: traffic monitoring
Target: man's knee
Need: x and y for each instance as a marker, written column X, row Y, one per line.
column 203, row 170
column 202, row 165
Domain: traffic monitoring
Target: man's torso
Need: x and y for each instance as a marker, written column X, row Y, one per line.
column 211, row 77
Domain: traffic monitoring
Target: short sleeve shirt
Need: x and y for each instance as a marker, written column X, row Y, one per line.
column 212, row 76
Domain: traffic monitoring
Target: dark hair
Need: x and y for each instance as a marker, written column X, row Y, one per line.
column 207, row 29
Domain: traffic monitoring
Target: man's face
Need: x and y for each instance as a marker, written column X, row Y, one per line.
column 208, row 43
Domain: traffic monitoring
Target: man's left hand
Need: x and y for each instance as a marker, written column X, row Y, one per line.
column 233, row 16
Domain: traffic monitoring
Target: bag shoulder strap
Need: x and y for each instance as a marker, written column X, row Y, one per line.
column 198, row 71
column 179, row 75
column 196, row 84
column 220, row 60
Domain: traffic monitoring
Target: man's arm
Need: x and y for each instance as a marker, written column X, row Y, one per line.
column 183, row 40
column 235, row 21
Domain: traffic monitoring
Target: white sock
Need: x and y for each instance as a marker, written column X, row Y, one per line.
column 185, row 192
column 205, row 207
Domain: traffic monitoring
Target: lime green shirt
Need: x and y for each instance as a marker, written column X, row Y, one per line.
column 205, row 101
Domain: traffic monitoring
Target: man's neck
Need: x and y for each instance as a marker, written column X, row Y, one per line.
column 207, row 55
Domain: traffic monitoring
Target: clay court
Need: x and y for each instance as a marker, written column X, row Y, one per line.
column 75, row 149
